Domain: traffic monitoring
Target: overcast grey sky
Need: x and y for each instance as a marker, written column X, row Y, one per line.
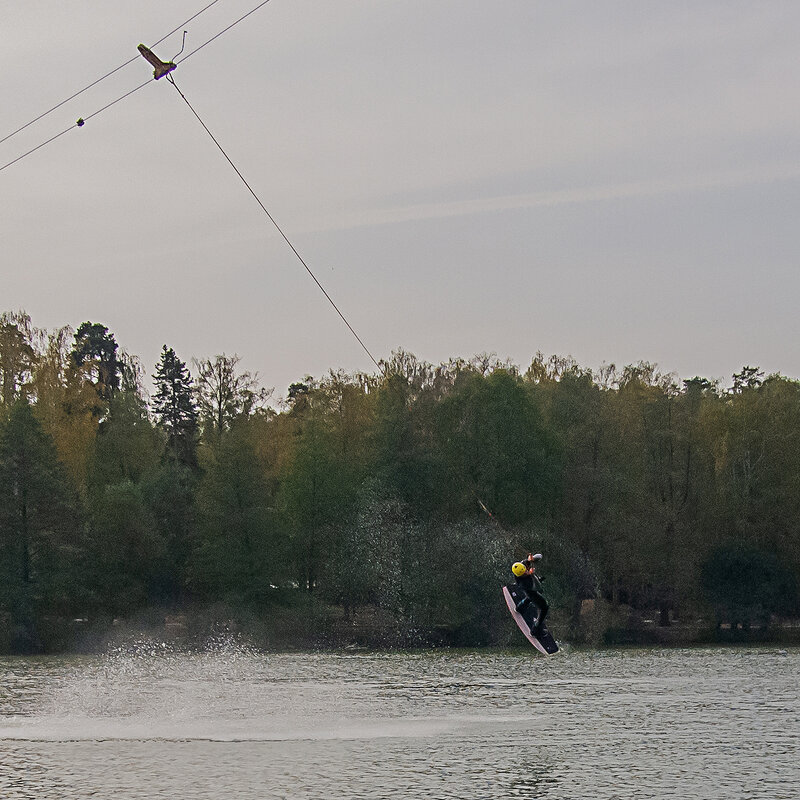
column 618, row 181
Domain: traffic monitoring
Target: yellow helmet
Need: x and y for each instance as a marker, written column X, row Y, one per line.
column 519, row 569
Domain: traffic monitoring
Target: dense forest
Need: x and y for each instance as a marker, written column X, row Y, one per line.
column 387, row 508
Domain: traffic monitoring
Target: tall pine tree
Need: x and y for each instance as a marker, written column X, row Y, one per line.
column 96, row 347
column 175, row 409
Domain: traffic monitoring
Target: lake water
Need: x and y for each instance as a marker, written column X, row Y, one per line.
column 148, row 722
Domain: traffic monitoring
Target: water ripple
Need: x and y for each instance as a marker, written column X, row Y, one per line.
column 149, row 722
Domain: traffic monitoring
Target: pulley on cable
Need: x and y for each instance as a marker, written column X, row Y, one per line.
column 162, row 68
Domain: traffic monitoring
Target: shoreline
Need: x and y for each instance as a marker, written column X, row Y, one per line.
column 325, row 629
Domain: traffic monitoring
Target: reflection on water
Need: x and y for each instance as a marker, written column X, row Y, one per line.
column 150, row 722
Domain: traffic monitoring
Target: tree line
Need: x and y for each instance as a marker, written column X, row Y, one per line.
column 396, row 500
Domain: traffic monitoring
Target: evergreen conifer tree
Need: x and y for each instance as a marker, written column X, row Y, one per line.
column 175, row 409
column 96, row 346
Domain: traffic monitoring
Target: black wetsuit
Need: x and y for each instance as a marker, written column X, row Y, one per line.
column 533, row 588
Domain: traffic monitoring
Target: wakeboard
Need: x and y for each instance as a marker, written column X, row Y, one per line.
column 544, row 641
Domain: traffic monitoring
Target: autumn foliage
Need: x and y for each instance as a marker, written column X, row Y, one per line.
column 398, row 498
